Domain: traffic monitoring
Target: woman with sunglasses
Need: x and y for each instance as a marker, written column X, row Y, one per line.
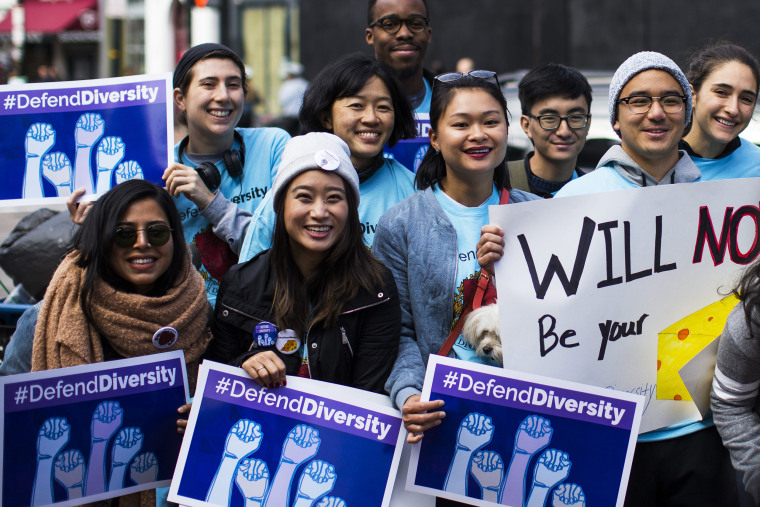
column 428, row 240
column 358, row 100
column 317, row 304
column 128, row 283
column 725, row 80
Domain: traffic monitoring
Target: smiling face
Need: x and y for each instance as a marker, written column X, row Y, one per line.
column 471, row 135
column 651, row 138
column 141, row 264
column 315, row 213
column 213, row 104
column 364, row 121
column 563, row 144
column 404, row 50
column 723, row 107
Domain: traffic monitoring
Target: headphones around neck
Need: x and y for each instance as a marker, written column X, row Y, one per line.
column 234, row 160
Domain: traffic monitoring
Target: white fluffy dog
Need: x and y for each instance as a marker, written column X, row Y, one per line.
column 481, row 330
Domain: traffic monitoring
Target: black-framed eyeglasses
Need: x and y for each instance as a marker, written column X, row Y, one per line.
column 158, row 235
column 553, row 121
column 448, row 77
column 392, row 24
column 640, row 104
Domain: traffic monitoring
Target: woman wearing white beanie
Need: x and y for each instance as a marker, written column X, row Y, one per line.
column 317, row 304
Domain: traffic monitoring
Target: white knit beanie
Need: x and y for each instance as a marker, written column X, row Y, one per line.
column 316, row 150
column 638, row 63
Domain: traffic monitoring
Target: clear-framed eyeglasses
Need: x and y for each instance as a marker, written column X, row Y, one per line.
column 640, row 104
column 553, row 121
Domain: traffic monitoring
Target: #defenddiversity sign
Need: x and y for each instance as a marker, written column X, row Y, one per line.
column 310, row 443
column 72, row 436
column 518, row 439
column 61, row 136
column 621, row 289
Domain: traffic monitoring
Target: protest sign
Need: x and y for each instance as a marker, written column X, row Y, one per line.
column 518, row 439
column 410, row 152
column 298, row 445
column 76, row 435
column 607, row 289
column 60, row 136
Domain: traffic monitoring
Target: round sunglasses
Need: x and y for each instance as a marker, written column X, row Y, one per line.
column 126, row 236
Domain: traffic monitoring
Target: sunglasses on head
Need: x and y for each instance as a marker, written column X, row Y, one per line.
column 480, row 74
column 126, row 236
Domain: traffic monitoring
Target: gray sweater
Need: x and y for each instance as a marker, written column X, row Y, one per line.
column 734, row 397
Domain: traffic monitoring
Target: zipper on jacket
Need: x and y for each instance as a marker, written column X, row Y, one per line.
column 239, row 312
column 345, row 340
column 366, row 306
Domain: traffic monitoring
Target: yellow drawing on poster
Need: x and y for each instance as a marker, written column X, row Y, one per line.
column 679, row 343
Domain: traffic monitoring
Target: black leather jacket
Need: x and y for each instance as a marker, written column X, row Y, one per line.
column 358, row 352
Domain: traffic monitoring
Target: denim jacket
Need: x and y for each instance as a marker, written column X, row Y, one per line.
column 417, row 242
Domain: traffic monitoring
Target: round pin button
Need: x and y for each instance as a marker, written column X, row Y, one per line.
column 165, row 337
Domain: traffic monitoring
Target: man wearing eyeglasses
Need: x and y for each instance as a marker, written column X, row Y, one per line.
column 650, row 106
column 399, row 31
column 555, row 102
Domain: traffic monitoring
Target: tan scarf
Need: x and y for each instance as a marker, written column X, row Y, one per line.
column 63, row 336
column 128, row 321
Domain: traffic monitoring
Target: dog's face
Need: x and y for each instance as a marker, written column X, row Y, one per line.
column 481, row 330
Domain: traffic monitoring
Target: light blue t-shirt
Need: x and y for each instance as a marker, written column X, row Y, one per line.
column 467, row 223
column 743, row 162
column 263, row 148
column 389, row 185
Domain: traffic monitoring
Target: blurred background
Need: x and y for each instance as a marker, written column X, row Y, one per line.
column 82, row 39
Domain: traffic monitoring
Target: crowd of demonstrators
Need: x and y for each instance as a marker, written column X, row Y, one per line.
column 724, row 81
column 358, row 100
column 556, row 106
column 317, row 304
column 279, row 229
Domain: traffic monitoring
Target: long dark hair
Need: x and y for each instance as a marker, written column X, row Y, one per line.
column 347, row 267
column 94, row 240
column 433, row 168
column 345, row 78
column 748, row 292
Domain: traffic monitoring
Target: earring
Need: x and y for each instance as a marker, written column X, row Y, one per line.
column 437, row 151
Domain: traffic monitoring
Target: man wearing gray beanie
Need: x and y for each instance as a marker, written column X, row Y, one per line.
column 650, row 106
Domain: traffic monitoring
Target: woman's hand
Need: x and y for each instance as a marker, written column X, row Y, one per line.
column 77, row 210
column 266, row 368
column 184, row 410
column 181, row 179
column 490, row 246
column 418, row 417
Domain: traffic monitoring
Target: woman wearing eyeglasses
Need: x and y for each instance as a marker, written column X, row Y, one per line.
column 127, row 289
column 724, row 79
column 428, row 240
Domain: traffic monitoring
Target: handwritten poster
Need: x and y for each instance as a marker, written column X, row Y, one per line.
column 621, row 289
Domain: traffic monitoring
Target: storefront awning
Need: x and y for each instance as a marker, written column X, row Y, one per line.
column 54, row 16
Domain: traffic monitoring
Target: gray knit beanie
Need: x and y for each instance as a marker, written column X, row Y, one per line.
column 316, row 150
column 640, row 62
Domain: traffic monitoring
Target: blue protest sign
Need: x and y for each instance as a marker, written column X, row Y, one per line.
column 94, row 134
column 517, row 439
column 76, row 435
column 298, row 445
